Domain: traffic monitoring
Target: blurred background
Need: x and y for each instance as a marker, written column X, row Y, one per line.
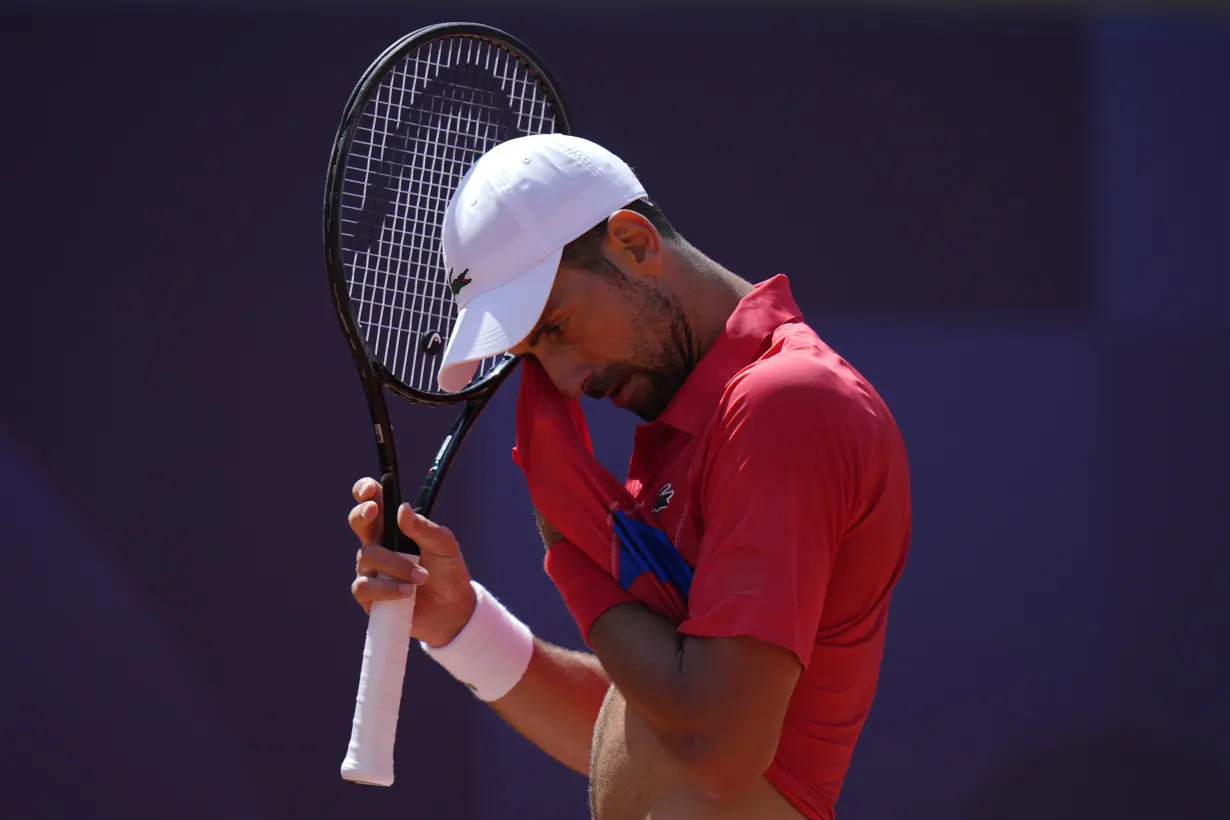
column 1013, row 218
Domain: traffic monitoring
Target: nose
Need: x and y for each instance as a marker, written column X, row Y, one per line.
column 567, row 372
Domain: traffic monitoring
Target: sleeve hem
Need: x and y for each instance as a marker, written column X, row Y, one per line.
column 763, row 634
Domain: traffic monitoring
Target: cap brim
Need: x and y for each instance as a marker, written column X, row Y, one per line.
column 495, row 321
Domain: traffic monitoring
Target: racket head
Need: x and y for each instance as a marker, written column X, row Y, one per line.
column 420, row 116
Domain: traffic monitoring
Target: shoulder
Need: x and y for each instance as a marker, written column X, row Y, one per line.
column 798, row 414
column 800, row 384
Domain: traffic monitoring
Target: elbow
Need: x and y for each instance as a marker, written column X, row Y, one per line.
column 723, row 763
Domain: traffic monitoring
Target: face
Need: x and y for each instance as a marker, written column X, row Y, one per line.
column 614, row 334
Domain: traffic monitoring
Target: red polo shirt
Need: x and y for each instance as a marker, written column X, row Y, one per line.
column 780, row 476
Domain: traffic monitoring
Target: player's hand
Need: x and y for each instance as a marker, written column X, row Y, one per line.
column 445, row 599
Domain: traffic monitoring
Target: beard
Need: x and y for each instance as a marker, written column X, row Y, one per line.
column 660, row 389
column 663, row 356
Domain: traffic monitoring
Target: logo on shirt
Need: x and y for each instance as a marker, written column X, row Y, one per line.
column 664, row 498
column 460, row 281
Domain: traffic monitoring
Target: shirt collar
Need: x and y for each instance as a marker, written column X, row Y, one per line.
column 769, row 306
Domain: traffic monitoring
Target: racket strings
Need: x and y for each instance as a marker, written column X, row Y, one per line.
column 432, row 116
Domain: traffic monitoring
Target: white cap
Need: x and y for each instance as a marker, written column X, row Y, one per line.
column 504, row 232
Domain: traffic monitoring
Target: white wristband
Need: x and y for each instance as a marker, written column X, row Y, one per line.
column 491, row 652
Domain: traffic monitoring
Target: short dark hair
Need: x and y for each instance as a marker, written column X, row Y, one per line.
column 585, row 251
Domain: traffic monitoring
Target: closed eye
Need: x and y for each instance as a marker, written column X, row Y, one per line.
column 555, row 332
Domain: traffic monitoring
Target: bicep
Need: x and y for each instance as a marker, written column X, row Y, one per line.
column 743, row 688
column 744, row 680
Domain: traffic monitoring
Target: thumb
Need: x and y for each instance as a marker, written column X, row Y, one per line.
column 432, row 538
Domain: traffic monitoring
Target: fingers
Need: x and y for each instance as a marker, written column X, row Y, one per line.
column 399, row 575
column 366, row 489
column 370, row 590
column 373, row 559
column 365, row 519
column 432, row 538
column 382, row 574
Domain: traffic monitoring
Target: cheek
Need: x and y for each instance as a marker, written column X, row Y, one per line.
column 616, row 330
column 563, row 364
column 610, row 336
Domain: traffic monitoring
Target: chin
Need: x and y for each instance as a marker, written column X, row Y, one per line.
column 647, row 408
column 645, row 415
column 650, row 396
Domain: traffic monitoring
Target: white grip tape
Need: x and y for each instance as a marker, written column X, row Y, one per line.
column 369, row 758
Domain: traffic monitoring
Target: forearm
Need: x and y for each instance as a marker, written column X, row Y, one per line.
column 644, row 656
column 715, row 705
column 556, row 703
column 549, row 694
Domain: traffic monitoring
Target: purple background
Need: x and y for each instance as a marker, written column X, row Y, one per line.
column 1015, row 226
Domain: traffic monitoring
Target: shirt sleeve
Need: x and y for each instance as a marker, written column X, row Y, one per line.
column 779, row 482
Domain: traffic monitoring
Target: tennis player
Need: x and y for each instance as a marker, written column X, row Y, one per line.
column 767, row 462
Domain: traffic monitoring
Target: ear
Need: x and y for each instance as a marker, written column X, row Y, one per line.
column 634, row 244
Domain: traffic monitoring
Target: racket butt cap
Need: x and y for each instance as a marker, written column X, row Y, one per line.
column 354, row 773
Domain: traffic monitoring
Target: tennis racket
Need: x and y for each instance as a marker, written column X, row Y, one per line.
column 420, row 116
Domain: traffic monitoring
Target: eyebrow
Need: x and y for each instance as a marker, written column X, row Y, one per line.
column 536, row 336
column 541, row 326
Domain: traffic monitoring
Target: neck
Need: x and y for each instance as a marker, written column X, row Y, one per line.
column 707, row 294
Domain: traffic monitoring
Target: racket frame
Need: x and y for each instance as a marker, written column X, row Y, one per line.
column 369, row 757
column 376, row 378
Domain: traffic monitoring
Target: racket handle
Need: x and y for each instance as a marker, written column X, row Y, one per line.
column 369, row 759
column 393, row 537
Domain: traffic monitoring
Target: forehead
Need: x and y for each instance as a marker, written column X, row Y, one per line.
column 554, row 300
column 569, row 284
column 553, row 303
column 568, row 287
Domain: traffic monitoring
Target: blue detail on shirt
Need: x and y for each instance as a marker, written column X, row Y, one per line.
column 645, row 548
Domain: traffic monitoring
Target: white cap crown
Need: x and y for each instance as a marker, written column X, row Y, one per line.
column 504, row 230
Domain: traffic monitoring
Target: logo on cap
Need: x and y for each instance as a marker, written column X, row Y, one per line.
column 461, row 280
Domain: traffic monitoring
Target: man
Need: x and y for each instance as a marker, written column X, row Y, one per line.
column 766, row 461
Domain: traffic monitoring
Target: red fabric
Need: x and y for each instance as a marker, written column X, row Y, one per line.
column 572, row 490
column 587, row 589
column 779, row 475
column 804, row 493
